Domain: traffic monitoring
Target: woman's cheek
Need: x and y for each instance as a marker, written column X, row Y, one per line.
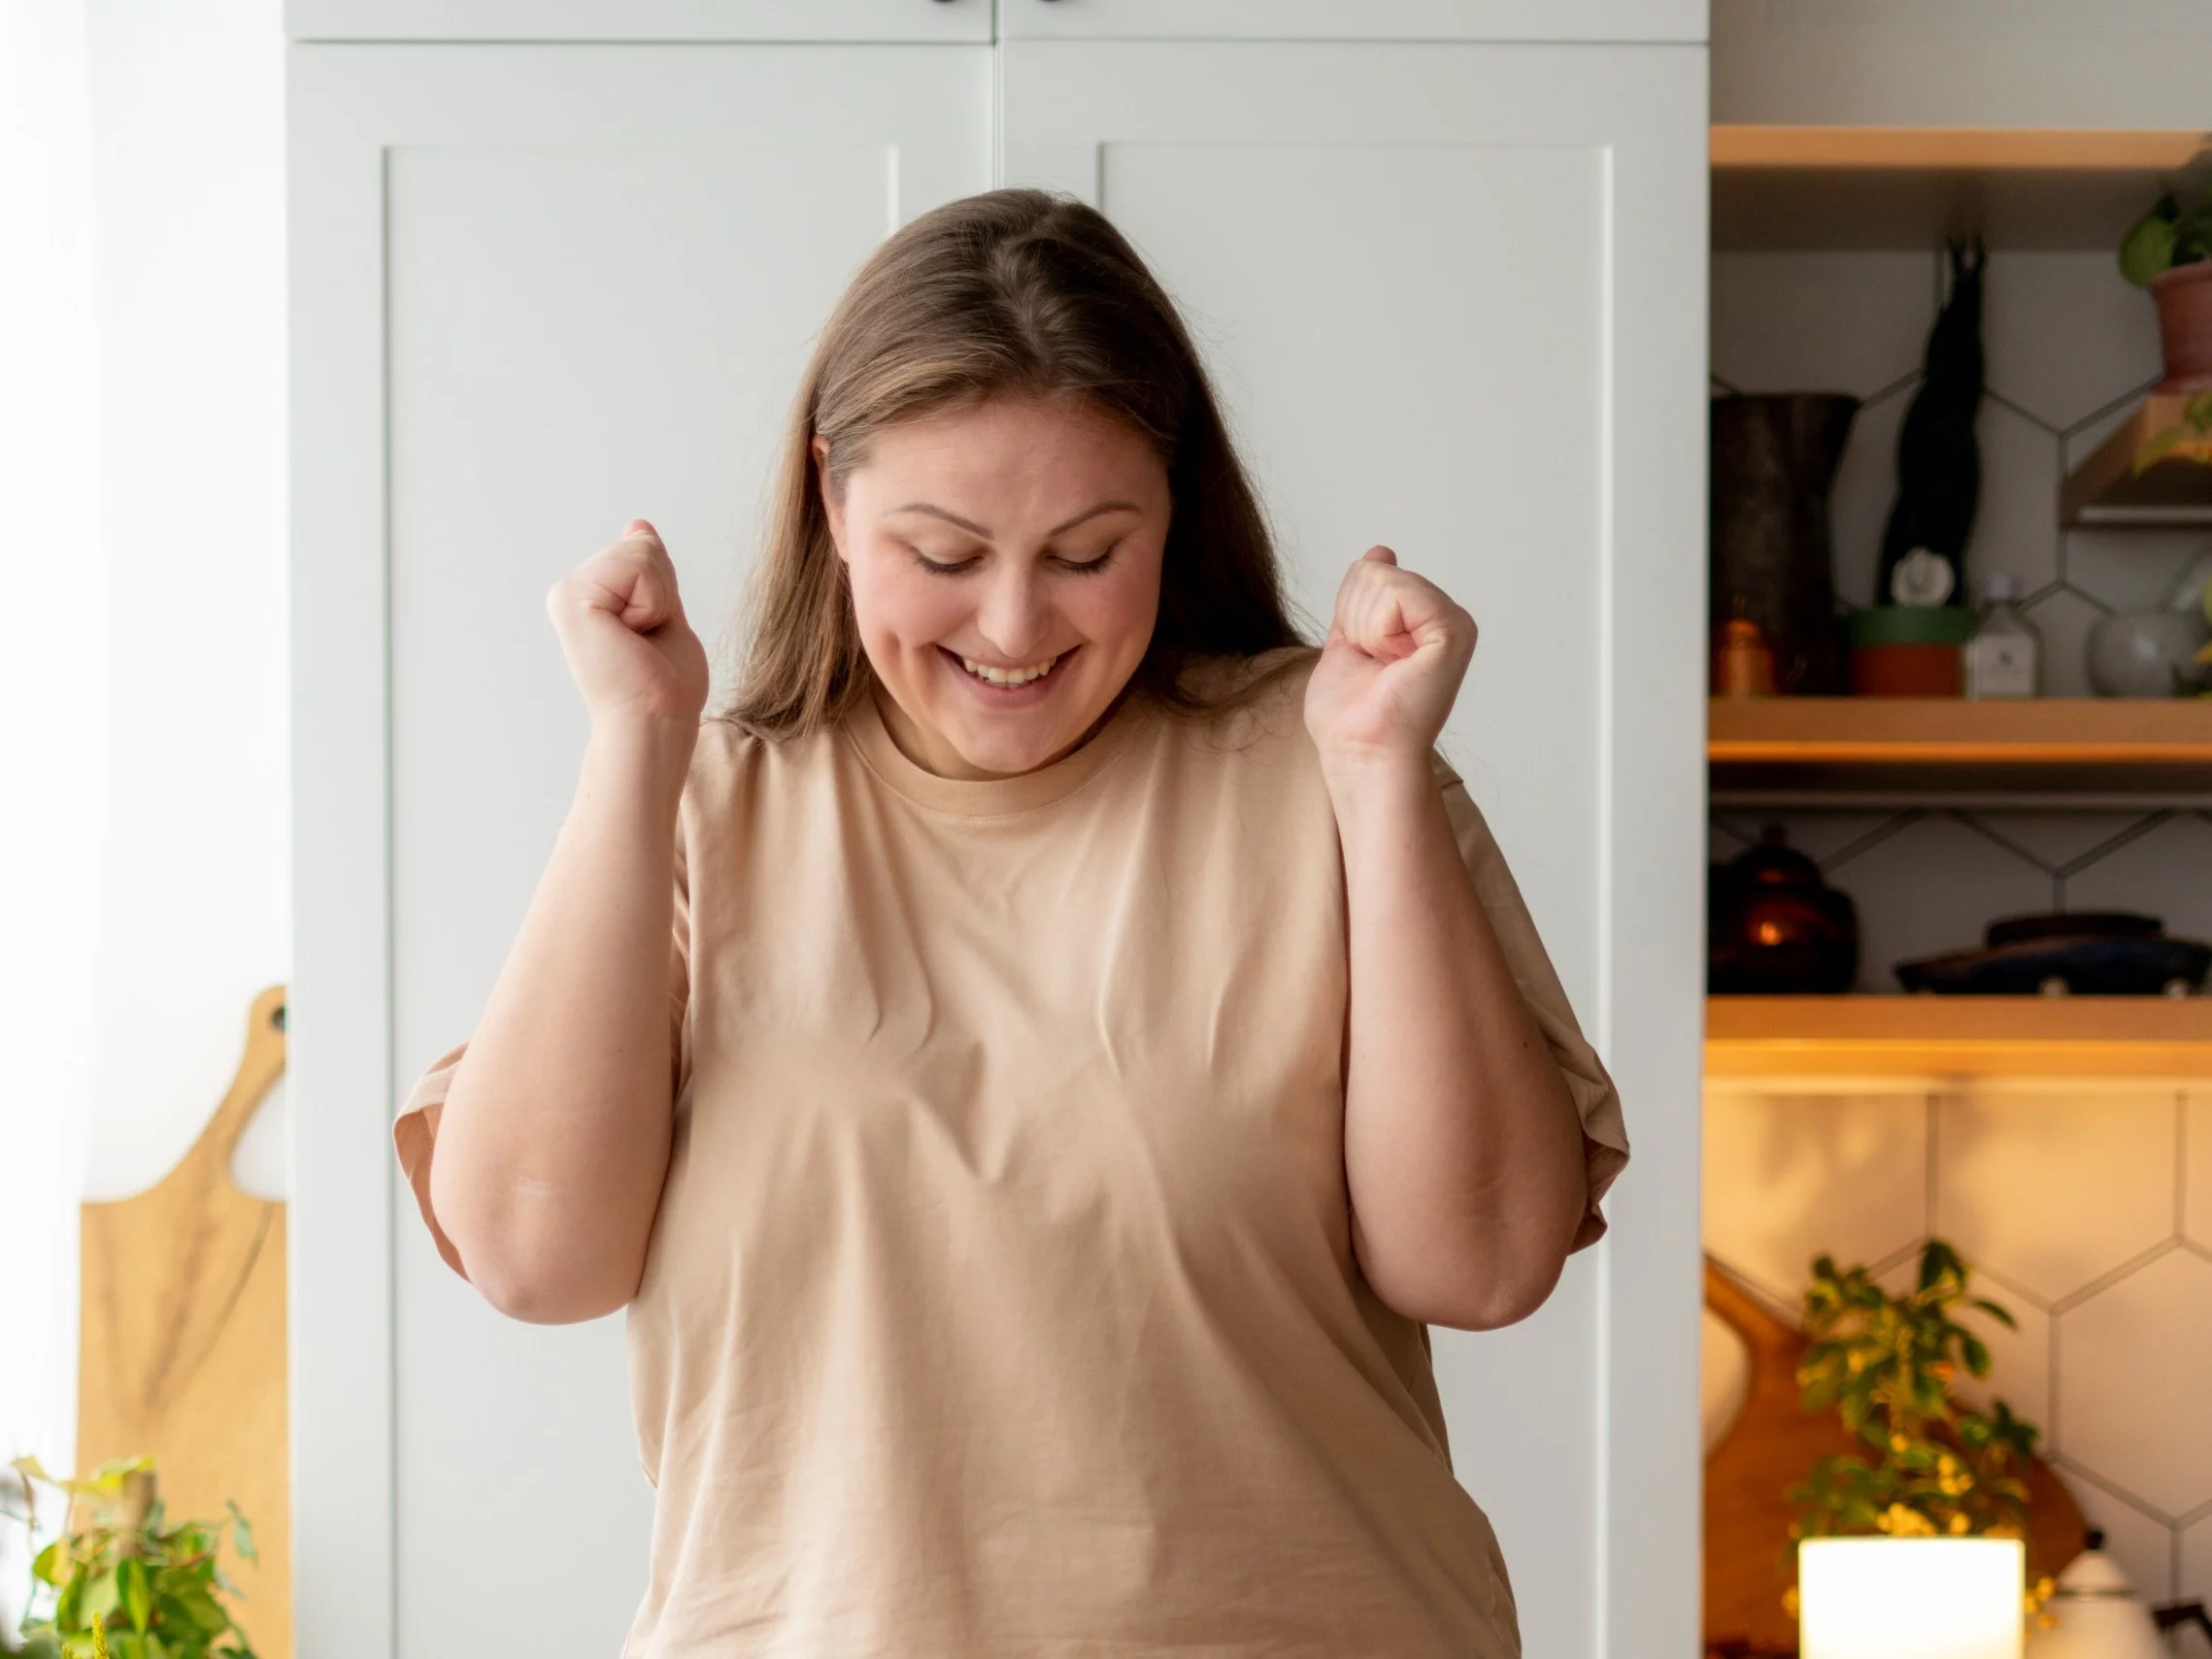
column 895, row 600
column 1118, row 608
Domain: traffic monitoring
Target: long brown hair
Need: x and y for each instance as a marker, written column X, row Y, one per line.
column 1021, row 292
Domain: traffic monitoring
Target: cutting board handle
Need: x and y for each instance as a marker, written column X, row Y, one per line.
column 258, row 1070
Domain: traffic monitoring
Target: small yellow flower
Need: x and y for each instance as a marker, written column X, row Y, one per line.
column 1958, row 1524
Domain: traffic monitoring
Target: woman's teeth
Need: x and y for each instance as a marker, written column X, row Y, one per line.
column 1008, row 675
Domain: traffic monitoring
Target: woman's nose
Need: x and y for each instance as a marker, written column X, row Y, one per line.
column 1015, row 617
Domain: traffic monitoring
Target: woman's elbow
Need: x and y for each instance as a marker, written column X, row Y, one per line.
column 1481, row 1286
column 1475, row 1301
column 531, row 1272
column 537, row 1297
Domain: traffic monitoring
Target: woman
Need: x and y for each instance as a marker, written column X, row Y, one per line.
column 1099, row 1036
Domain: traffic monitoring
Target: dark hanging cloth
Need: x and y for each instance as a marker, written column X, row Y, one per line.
column 1939, row 464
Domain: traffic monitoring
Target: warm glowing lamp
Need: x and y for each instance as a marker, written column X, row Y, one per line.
column 1910, row 1598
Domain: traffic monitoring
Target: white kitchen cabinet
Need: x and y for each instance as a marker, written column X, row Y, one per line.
column 1581, row 21
column 536, row 291
column 559, row 265
column 1455, row 298
column 813, row 22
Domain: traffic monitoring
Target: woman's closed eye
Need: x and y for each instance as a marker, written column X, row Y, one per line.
column 961, row 566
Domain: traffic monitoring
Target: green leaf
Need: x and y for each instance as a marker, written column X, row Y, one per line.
column 109, row 1477
column 2193, row 238
column 49, row 1566
column 1977, row 1355
column 2157, row 447
column 69, row 1610
column 245, row 1533
column 2147, row 248
column 102, row 1599
column 134, row 1593
column 1998, row 1312
column 196, row 1608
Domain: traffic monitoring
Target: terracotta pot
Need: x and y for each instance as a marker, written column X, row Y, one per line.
column 2184, row 326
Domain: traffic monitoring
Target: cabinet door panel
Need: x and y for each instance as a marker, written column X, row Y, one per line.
column 1455, row 298
column 537, row 291
column 1615, row 20
column 964, row 20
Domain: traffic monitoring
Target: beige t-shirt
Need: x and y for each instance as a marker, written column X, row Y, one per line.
column 1002, row 1301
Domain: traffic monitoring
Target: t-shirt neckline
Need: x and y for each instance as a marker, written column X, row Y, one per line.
column 989, row 797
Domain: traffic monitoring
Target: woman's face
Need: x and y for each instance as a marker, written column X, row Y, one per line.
column 1004, row 561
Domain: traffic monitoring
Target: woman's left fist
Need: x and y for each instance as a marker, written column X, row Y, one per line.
column 1397, row 648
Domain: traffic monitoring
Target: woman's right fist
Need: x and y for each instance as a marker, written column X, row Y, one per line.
column 622, row 626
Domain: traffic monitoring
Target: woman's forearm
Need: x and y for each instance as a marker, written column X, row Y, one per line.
column 555, row 1137
column 1463, row 1147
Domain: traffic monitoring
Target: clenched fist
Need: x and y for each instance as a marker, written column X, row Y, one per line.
column 629, row 649
column 1397, row 648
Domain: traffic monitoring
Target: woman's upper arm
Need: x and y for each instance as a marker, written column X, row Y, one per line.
column 1597, row 1103
column 414, row 1130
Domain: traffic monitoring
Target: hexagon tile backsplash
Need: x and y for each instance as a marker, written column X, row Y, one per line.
column 2085, row 1210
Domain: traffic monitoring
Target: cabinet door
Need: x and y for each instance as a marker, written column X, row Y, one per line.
column 655, row 19
column 1454, row 297
column 1336, row 21
column 537, row 290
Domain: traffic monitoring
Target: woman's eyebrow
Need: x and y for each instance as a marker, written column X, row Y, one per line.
column 975, row 529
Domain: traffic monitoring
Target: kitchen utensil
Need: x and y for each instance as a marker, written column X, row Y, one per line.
column 181, row 1351
column 1774, row 927
column 2145, row 653
column 1773, row 459
column 1742, row 664
column 2108, row 953
column 2097, row 1614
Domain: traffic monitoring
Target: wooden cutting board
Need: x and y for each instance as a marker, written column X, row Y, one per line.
column 1772, row 1446
column 182, row 1355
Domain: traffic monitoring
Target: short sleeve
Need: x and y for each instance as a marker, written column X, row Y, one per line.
column 1604, row 1138
column 414, row 1131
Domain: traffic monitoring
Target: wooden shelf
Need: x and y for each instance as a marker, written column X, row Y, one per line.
column 1810, row 186
column 2104, row 489
column 2061, row 745
column 1962, row 1037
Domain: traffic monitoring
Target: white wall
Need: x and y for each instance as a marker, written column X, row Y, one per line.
column 187, row 110
column 144, row 853
column 53, row 693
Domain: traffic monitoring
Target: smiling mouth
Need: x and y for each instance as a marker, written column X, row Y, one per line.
column 1008, row 679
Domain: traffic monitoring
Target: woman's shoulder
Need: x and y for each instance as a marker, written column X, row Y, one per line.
column 1245, row 697
column 1249, row 710
column 1223, row 681
column 732, row 759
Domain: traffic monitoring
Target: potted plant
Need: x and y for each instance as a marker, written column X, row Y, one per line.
column 2169, row 252
column 125, row 1581
column 1932, row 1468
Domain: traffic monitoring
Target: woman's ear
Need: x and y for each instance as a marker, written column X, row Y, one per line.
column 831, row 507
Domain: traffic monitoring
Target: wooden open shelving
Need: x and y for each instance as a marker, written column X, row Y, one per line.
column 1834, row 186
column 2059, row 745
column 1957, row 1037
column 1949, row 749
